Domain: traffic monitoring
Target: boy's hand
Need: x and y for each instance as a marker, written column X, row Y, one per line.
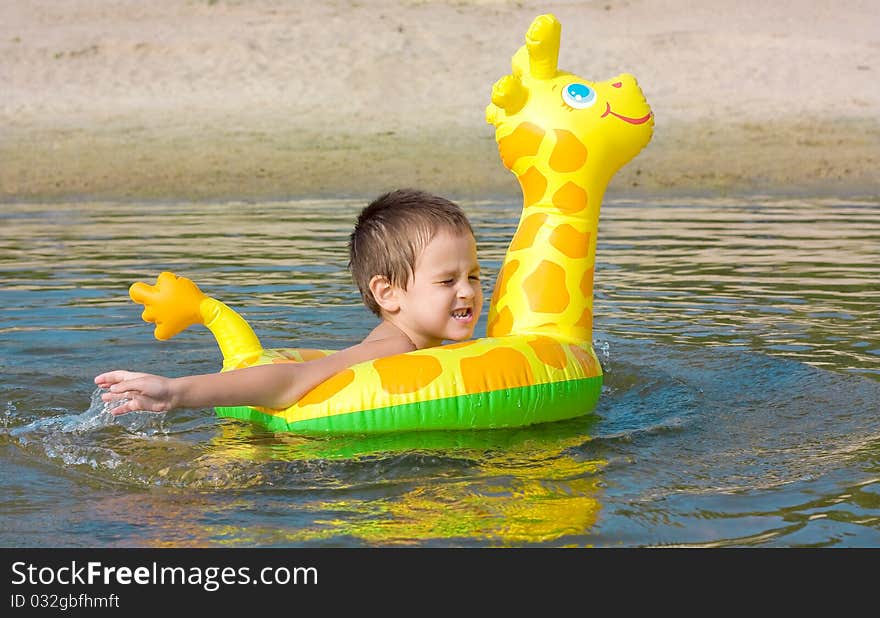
column 136, row 391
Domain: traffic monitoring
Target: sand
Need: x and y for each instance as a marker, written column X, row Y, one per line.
column 263, row 99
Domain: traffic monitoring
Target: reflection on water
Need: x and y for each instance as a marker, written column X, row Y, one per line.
column 739, row 340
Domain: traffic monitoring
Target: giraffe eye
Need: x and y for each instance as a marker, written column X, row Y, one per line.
column 578, row 96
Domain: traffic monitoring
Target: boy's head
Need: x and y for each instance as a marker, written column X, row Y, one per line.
column 391, row 233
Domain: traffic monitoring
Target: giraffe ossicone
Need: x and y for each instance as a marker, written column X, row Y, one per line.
column 563, row 137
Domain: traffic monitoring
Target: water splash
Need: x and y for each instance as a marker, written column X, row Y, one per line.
column 85, row 439
column 95, row 418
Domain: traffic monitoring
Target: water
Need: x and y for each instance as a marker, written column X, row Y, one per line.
column 741, row 404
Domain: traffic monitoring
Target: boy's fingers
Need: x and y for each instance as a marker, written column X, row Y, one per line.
column 119, row 379
column 134, row 405
column 113, row 376
column 103, row 378
column 110, row 396
column 123, row 408
column 126, row 386
column 125, row 389
column 123, row 403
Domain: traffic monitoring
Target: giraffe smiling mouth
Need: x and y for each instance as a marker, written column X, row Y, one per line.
column 641, row 120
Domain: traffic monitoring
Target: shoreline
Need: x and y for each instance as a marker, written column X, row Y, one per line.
column 180, row 164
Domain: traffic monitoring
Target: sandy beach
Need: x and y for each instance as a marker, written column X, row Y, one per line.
column 251, row 99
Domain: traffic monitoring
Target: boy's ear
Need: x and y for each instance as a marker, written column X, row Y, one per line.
column 384, row 293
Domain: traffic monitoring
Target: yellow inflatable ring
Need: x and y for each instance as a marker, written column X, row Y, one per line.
column 564, row 138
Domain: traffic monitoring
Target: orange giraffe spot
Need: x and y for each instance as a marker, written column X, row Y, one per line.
column 569, row 154
column 587, row 283
column 407, row 374
column 586, row 319
column 296, row 356
column 549, row 351
column 501, row 325
column 496, row 369
column 533, row 186
column 329, row 387
column 503, row 277
column 308, row 355
column 523, row 142
column 249, row 360
column 570, row 198
column 572, row 243
column 545, row 288
column 585, row 359
column 527, row 231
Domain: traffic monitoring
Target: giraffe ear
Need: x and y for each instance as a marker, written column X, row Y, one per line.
column 509, row 94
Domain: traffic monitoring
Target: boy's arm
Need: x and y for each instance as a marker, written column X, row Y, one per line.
column 275, row 386
column 151, row 393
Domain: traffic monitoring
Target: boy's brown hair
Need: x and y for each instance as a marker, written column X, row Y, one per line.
column 391, row 233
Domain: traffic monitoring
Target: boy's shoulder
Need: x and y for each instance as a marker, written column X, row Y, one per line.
column 386, row 335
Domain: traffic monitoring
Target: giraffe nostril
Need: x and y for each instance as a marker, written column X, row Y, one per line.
column 617, row 84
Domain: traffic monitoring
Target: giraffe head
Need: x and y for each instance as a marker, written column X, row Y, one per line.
column 598, row 126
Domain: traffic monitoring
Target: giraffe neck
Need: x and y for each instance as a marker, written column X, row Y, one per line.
column 545, row 285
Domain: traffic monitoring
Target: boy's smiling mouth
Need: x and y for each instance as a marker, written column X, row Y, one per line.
column 464, row 314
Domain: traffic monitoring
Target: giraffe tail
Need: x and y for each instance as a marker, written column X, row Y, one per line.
column 175, row 303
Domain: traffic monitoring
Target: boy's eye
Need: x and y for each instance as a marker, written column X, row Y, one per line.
column 474, row 277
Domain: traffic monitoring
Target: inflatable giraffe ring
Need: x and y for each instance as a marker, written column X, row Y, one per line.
column 564, row 138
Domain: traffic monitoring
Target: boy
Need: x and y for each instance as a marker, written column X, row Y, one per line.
column 414, row 259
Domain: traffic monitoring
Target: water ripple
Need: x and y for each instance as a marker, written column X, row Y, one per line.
column 738, row 339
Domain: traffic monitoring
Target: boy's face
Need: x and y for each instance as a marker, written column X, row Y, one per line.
column 443, row 299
